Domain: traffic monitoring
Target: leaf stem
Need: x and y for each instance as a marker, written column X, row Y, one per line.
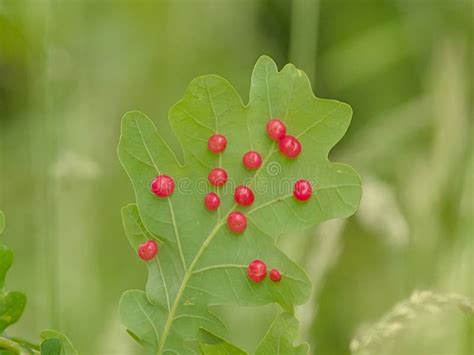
column 186, row 278
column 14, row 347
column 189, row 271
column 25, row 342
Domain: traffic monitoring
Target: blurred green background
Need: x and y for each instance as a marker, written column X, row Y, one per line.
column 70, row 69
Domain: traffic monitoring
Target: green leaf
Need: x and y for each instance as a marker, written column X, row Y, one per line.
column 217, row 346
column 200, row 262
column 30, row 346
column 51, row 346
column 65, row 344
column 138, row 313
column 220, row 349
column 281, row 337
column 12, row 305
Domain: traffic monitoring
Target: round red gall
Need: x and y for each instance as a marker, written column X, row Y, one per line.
column 275, row 275
column 217, row 143
column 290, row 146
column 147, row 250
column 212, row 201
column 217, row 177
column 243, row 195
column 302, row 190
column 257, row 270
column 252, row 160
column 276, row 129
column 237, row 222
column 162, row 186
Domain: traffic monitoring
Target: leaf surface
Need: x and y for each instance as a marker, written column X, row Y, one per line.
column 66, row 347
column 280, row 338
column 51, row 346
column 218, row 346
column 200, row 262
column 12, row 305
column 222, row 348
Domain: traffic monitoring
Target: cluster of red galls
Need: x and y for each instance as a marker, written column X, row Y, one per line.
column 257, row 271
column 290, row 146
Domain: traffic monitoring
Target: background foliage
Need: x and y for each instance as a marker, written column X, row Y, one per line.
column 69, row 69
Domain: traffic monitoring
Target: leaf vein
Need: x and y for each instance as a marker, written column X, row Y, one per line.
column 319, row 121
column 194, row 118
column 218, row 266
column 169, row 200
column 149, row 319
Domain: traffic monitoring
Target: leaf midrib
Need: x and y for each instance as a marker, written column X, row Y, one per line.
column 187, row 276
column 189, row 272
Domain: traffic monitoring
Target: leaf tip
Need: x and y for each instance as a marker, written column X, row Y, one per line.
column 347, row 109
column 267, row 62
column 131, row 115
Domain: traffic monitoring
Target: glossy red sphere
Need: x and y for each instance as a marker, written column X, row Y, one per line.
column 217, row 143
column 252, row 160
column 162, row 186
column 212, row 201
column 290, row 146
column 257, row 270
column 243, row 195
column 276, row 129
column 275, row 275
column 217, row 177
column 237, row 222
column 302, row 190
column 147, row 250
